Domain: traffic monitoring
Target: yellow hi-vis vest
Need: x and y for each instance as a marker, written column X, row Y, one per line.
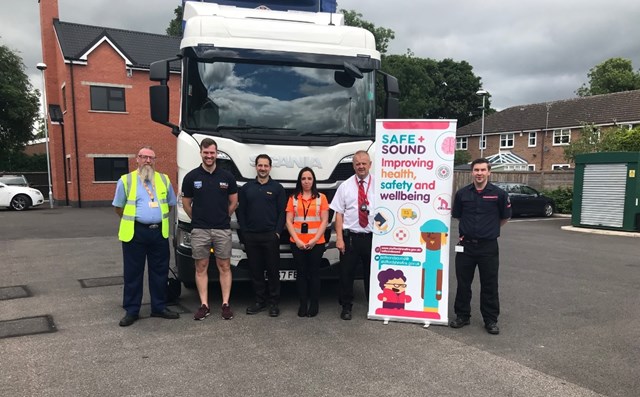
column 130, row 184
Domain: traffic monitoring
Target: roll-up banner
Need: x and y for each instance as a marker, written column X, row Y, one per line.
column 413, row 174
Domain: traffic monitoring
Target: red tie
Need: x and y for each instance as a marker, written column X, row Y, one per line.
column 363, row 216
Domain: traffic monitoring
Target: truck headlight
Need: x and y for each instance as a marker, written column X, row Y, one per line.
column 183, row 238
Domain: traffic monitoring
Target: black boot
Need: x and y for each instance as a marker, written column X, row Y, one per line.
column 313, row 308
column 302, row 309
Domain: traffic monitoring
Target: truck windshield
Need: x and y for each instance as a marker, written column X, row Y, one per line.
column 245, row 99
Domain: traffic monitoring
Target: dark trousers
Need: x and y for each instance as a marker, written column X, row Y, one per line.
column 263, row 253
column 357, row 250
column 484, row 254
column 147, row 245
column 308, row 264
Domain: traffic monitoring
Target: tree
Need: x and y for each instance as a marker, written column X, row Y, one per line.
column 593, row 140
column 175, row 26
column 612, row 75
column 18, row 103
column 461, row 157
column 435, row 89
column 381, row 35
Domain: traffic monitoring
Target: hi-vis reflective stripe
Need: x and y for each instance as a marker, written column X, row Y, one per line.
column 128, row 217
column 300, row 218
column 309, row 231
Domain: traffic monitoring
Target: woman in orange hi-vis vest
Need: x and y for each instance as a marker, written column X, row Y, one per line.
column 307, row 218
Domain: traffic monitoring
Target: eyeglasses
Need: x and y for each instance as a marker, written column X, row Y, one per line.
column 397, row 285
column 143, row 157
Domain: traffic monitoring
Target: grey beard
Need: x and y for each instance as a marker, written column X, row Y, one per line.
column 146, row 173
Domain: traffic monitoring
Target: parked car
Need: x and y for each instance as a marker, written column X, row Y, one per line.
column 14, row 180
column 19, row 197
column 526, row 200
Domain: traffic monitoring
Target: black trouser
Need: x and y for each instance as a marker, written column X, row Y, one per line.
column 484, row 254
column 263, row 253
column 308, row 264
column 147, row 245
column 357, row 250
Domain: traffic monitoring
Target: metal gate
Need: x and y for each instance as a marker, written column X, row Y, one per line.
column 603, row 194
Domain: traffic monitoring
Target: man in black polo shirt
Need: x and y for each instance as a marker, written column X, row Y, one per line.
column 261, row 216
column 482, row 208
column 209, row 197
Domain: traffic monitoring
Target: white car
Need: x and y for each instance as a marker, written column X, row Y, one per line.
column 19, row 198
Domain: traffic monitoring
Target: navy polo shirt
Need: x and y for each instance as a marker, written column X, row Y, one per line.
column 480, row 213
column 261, row 207
column 210, row 197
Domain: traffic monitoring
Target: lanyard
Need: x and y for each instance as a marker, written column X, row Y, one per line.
column 305, row 211
column 366, row 194
column 149, row 192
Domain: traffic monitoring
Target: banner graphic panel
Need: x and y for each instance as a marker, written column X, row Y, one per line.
column 413, row 172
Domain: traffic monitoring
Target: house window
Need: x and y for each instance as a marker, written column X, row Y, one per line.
column 506, row 141
column 557, row 167
column 482, row 143
column 109, row 169
column 533, row 136
column 64, row 98
column 109, row 99
column 531, row 167
column 461, row 143
column 561, row 137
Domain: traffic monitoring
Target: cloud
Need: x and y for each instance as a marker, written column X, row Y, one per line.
column 525, row 51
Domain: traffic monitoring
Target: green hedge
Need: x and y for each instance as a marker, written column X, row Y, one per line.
column 563, row 197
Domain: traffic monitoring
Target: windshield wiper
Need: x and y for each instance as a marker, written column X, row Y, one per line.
column 337, row 134
column 250, row 127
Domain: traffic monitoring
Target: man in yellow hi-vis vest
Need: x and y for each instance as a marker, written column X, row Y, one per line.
column 143, row 200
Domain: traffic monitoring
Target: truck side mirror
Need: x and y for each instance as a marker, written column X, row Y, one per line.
column 391, row 100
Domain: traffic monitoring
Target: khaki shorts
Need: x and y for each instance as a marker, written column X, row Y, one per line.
column 201, row 240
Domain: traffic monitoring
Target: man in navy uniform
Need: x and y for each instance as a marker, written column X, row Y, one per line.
column 482, row 208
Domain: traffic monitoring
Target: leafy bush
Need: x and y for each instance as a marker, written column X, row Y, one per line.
column 563, row 196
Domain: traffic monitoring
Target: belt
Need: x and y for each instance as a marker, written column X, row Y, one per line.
column 348, row 232
column 149, row 225
column 477, row 240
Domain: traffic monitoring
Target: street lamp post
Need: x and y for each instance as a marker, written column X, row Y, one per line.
column 483, row 94
column 42, row 67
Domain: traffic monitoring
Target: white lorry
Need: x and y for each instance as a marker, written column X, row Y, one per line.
column 298, row 86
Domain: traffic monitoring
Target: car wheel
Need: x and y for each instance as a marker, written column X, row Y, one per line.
column 548, row 210
column 20, row 202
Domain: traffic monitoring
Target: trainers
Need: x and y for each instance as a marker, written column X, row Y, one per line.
column 227, row 314
column 202, row 313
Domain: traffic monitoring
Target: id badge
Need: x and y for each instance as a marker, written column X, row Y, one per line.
column 153, row 204
column 459, row 248
column 304, row 228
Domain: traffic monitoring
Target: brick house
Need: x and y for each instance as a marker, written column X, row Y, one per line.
column 97, row 89
column 533, row 137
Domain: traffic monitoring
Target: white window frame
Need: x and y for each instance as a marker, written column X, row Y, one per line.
column 482, row 142
column 533, row 136
column 462, row 143
column 504, row 140
column 559, row 135
column 531, row 167
column 558, row 167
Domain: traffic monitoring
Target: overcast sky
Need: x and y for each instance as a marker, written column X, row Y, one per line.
column 524, row 51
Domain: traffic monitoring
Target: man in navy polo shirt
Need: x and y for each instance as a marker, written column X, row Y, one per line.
column 482, row 209
column 209, row 197
column 261, row 216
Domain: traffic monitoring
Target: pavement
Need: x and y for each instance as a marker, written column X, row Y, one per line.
column 570, row 325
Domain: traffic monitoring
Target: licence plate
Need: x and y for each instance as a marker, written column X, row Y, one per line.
column 287, row 275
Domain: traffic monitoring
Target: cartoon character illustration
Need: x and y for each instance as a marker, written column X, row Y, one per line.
column 433, row 234
column 393, row 285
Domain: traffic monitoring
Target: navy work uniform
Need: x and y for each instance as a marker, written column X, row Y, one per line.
column 480, row 214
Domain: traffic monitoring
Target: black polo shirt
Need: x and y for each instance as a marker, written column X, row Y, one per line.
column 261, row 207
column 480, row 213
column 210, row 194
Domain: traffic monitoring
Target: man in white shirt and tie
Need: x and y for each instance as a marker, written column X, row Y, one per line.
column 353, row 205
